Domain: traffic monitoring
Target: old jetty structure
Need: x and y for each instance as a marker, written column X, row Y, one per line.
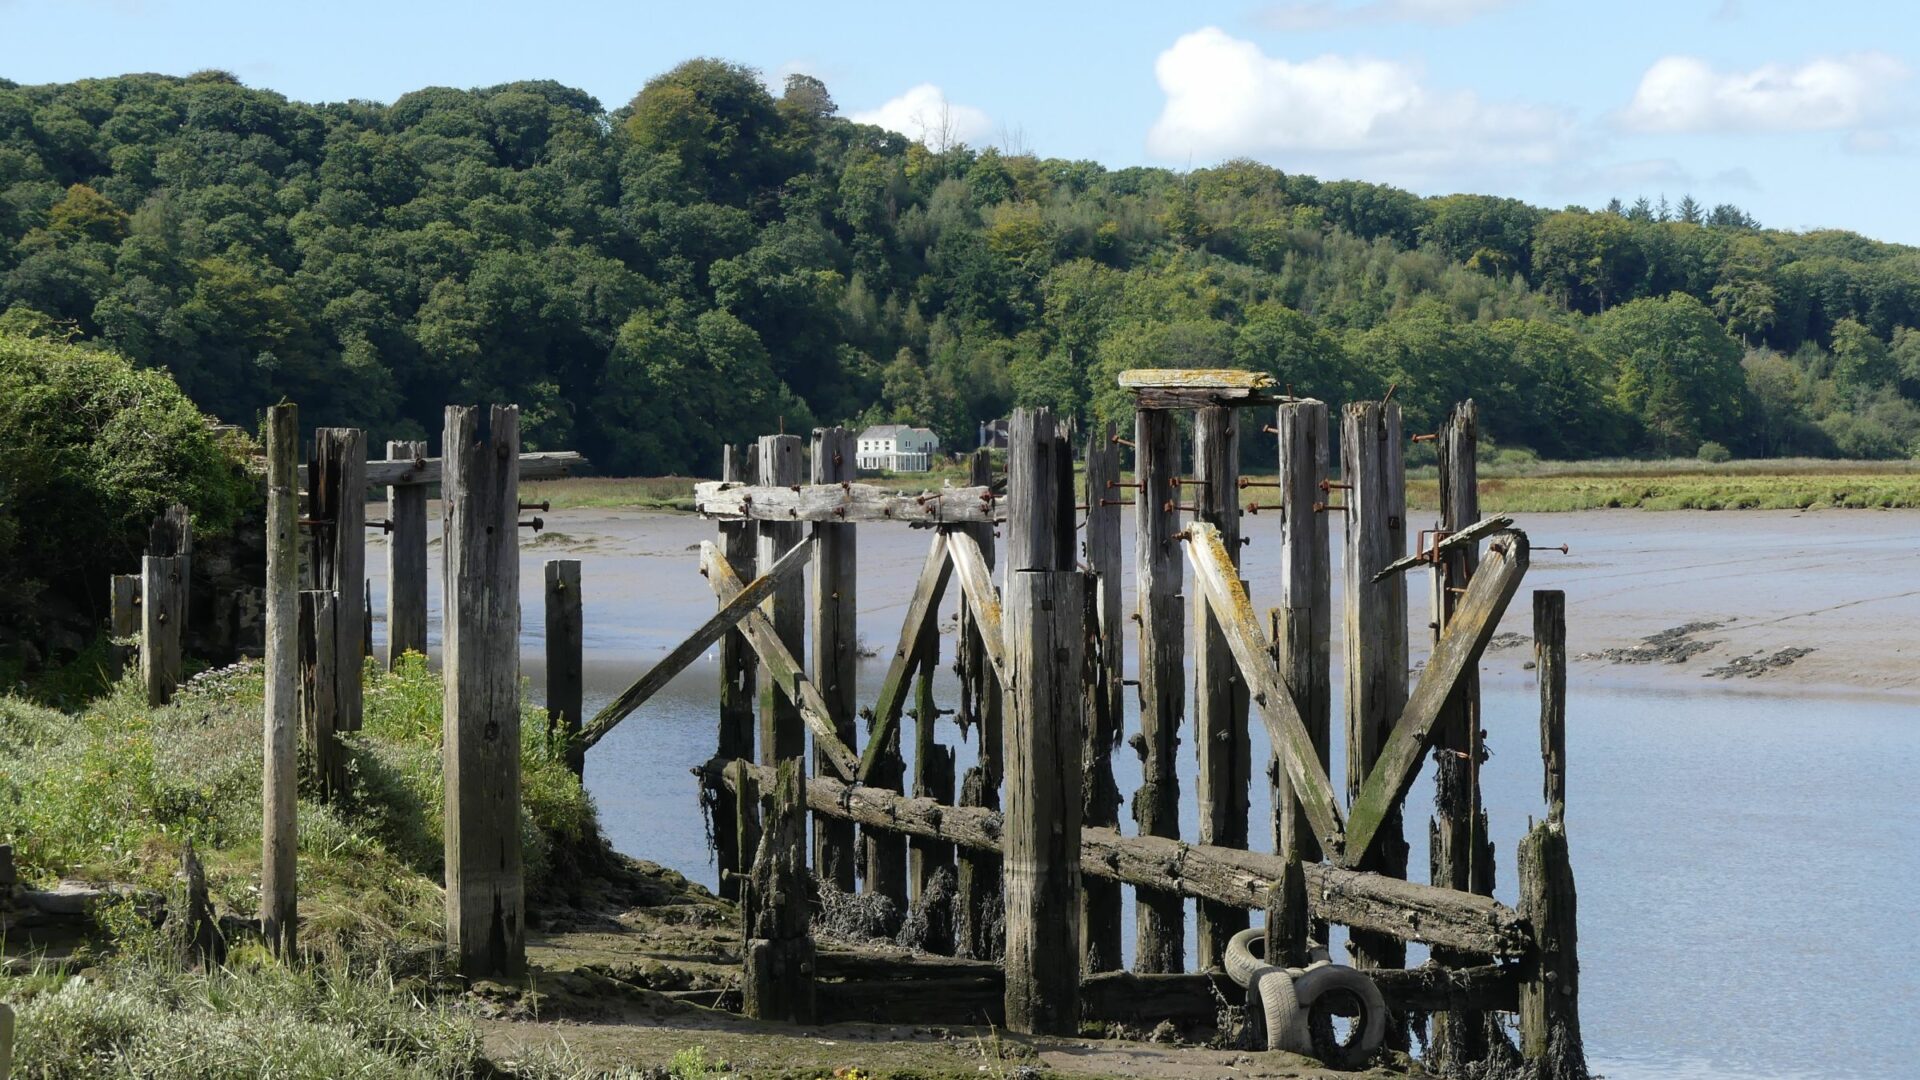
column 1020, row 869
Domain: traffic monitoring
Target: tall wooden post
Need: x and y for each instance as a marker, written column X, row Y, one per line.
column 782, row 735
column 160, row 603
column 337, row 491
column 979, row 921
column 171, row 535
column 1376, row 629
column 319, row 680
column 279, row 788
column 738, row 676
column 1460, row 851
column 1100, row 801
column 564, row 658
column 1220, row 695
column 125, row 625
column 836, row 638
column 1550, row 667
column 480, row 487
column 1046, row 633
column 1303, row 633
column 1160, row 917
column 406, row 559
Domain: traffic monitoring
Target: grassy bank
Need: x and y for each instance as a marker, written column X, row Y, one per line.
column 115, row 792
column 1525, row 487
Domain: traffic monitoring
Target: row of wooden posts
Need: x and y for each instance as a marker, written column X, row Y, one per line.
column 318, row 636
column 1042, row 678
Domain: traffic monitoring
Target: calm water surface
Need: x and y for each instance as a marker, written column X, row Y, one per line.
column 1746, row 861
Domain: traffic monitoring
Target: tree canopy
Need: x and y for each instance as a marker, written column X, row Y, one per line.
column 710, row 260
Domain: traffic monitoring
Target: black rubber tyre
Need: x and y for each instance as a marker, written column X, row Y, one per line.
column 1318, row 991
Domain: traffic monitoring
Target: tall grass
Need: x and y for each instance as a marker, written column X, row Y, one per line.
column 116, row 791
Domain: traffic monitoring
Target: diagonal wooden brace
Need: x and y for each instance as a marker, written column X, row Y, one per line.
column 696, row 643
column 1220, row 585
column 1472, row 534
column 976, row 584
column 781, row 667
column 1457, row 653
column 921, row 612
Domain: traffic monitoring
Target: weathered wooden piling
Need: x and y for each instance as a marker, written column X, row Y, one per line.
column 485, row 894
column 1550, row 667
column 564, row 658
column 779, row 960
column 836, row 639
column 279, row 788
column 1304, row 625
column 171, row 535
column 1550, row 976
column 979, row 918
column 161, row 600
column 1100, row 928
column 1160, row 917
column 406, row 559
column 1219, row 694
column 1045, row 635
column 319, row 682
column 337, row 499
column 1376, row 628
column 124, row 590
column 1461, row 852
column 739, row 666
column 782, row 734
column 1288, row 917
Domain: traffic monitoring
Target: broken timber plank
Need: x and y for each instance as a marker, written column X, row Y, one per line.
column 696, row 643
column 781, row 667
column 543, row 465
column 1458, row 650
column 843, row 503
column 924, row 607
column 1360, row 899
column 976, row 583
column 1194, row 388
column 1472, row 534
column 1228, row 602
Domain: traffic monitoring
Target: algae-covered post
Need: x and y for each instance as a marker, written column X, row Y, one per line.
column 319, row 682
column 1219, row 694
column 279, row 788
column 564, row 630
column 977, row 901
column 1160, row 917
column 835, row 615
column 779, row 955
column 406, row 559
column 486, row 904
column 1550, row 667
column 738, row 673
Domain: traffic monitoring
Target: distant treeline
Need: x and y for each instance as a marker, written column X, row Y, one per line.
column 710, row 261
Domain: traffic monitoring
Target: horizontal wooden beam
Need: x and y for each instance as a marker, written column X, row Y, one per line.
column 844, row 503
column 1193, row 388
column 1218, row 580
column 1366, row 901
column 696, row 643
column 781, row 667
column 545, row 465
column 1455, row 655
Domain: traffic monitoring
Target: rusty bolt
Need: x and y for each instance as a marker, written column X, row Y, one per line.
column 385, row 525
column 544, row 506
column 1426, row 438
column 1270, row 429
column 1123, row 442
column 1328, row 485
column 1247, row 482
column 536, row 524
column 1118, row 484
column 1321, row 507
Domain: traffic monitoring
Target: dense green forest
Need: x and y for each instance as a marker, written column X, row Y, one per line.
column 711, row 260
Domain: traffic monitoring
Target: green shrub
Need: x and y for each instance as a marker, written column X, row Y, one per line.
column 91, row 449
column 1713, row 453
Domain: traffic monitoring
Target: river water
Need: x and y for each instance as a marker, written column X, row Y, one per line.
column 1746, row 851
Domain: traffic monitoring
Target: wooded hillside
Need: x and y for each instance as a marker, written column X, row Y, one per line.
column 710, row 259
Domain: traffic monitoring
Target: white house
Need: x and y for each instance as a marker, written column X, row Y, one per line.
column 896, row 448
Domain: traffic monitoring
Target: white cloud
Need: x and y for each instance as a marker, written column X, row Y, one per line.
column 1325, row 14
column 924, row 113
column 1226, row 98
column 1685, row 94
column 1874, row 142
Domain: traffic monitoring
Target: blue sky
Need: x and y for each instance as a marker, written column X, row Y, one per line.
column 1803, row 114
